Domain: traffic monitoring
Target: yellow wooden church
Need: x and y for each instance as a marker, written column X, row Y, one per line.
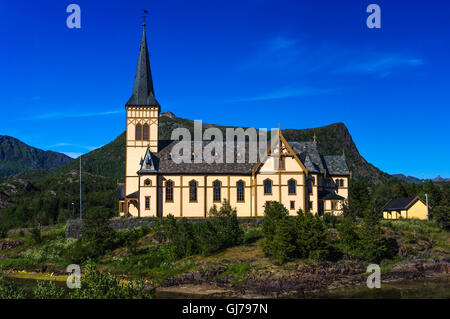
column 157, row 186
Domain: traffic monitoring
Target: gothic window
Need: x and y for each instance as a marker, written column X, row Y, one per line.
column 146, row 132
column 240, row 191
column 169, row 191
column 216, row 191
column 267, row 187
column 291, row 187
column 138, row 132
column 192, row 191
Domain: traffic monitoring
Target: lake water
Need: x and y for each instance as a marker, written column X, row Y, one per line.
column 411, row 289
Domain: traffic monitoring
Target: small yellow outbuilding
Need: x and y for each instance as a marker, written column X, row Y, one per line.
column 406, row 208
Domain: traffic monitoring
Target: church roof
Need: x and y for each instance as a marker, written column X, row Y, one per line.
column 309, row 154
column 143, row 92
column 336, row 165
column 162, row 162
column 327, row 195
column 147, row 163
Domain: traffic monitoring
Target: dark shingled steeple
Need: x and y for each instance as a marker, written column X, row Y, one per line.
column 143, row 93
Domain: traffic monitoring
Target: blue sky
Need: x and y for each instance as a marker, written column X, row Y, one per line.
column 246, row 63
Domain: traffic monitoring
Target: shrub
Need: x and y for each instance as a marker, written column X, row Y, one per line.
column 252, row 234
column 312, row 237
column 182, row 241
column 274, row 212
column 303, row 236
column 97, row 233
column 9, row 290
column 283, row 245
column 36, row 235
column 330, row 220
column 95, row 285
column 3, row 232
column 131, row 239
column 441, row 214
column 47, row 289
column 348, row 238
column 226, row 223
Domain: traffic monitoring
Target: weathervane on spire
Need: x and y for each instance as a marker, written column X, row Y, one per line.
column 144, row 17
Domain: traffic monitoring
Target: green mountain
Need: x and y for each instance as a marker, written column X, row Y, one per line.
column 109, row 160
column 17, row 157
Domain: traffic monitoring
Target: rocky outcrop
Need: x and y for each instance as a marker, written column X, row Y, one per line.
column 306, row 279
column 6, row 244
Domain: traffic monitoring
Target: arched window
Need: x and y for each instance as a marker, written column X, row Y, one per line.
column 267, row 187
column 240, row 191
column 138, row 132
column 216, row 191
column 169, row 191
column 341, row 183
column 192, row 191
column 292, row 187
column 146, row 132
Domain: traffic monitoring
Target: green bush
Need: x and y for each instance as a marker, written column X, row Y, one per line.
column 3, row 232
column 312, row 240
column 441, row 215
column 47, row 289
column 9, row 290
column 348, row 237
column 330, row 220
column 36, row 236
column 220, row 231
column 95, row 285
column 283, row 245
column 274, row 212
column 303, row 236
column 252, row 234
column 367, row 242
column 96, row 237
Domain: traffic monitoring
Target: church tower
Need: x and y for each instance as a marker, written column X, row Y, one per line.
column 142, row 125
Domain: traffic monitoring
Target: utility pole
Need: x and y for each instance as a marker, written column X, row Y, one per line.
column 426, row 199
column 81, row 211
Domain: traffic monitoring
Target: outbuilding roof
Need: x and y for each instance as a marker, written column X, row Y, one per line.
column 400, row 203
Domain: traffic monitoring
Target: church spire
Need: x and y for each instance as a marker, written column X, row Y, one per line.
column 143, row 92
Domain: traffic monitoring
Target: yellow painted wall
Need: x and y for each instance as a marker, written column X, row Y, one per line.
column 418, row 211
column 148, row 191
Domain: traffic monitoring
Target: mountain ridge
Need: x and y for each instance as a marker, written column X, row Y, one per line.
column 332, row 139
column 17, row 157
